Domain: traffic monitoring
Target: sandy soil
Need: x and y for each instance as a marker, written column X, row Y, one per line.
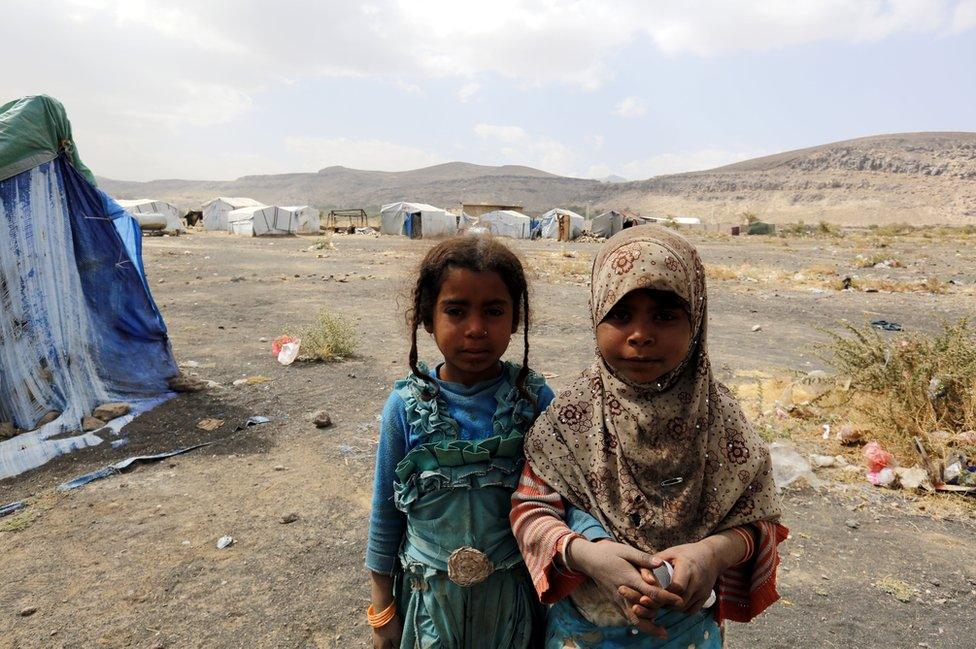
column 130, row 561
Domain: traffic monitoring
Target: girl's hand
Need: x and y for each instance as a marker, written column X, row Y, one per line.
column 388, row 635
column 614, row 567
column 697, row 567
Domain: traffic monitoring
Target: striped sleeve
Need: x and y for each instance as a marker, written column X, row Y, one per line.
column 539, row 525
column 748, row 588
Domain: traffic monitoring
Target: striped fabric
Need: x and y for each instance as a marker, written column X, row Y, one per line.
column 538, row 523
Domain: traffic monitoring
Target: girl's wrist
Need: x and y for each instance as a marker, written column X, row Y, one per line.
column 726, row 549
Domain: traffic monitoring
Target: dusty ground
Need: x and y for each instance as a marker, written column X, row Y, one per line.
column 131, row 560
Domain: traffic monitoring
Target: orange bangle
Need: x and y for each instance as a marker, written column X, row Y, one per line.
column 750, row 545
column 376, row 620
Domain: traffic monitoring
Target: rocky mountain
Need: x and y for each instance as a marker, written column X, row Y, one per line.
column 910, row 177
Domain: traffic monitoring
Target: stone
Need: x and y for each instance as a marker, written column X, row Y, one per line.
column 288, row 518
column 757, row 327
column 88, row 424
column 47, row 418
column 27, row 611
column 321, row 419
column 110, row 411
column 184, row 383
column 851, row 523
column 7, row 430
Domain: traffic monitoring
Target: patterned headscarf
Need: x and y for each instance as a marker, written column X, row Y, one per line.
column 657, row 464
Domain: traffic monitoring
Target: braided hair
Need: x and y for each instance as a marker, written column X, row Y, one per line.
column 479, row 253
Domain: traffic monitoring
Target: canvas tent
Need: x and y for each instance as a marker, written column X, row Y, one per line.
column 416, row 220
column 78, row 325
column 215, row 211
column 561, row 224
column 607, row 224
column 267, row 220
column 306, row 218
column 172, row 215
column 507, row 223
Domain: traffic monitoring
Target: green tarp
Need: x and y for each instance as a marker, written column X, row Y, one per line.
column 32, row 131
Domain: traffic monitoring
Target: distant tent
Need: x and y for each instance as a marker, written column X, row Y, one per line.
column 307, row 218
column 416, row 220
column 561, row 224
column 607, row 224
column 78, row 325
column 507, row 223
column 760, row 227
column 140, row 206
column 266, row 220
column 215, row 211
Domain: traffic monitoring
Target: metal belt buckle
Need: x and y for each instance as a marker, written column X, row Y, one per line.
column 467, row 566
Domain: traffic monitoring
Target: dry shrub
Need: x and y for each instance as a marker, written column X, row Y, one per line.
column 329, row 338
column 718, row 271
column 868, row 261
column 820, row 270
column 909, row 385
column 565, row 266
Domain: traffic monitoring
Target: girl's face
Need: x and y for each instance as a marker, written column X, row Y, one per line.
column 472, row 325
column 643, row 339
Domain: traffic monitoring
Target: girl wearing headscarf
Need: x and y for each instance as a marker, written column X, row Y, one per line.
column 649, row 444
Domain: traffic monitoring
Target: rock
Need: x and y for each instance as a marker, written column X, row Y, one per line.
column 88, row 424
column 7, row 430
column 850, row 436
column 184, row 383
column 279, row 467
column 321, row 419
column 225, row 542
column 262, row 339
column 288, row 518
column 210, row 424
column 27, row 611
column 851, row 523
column 110, row 411
column 47, row 418
column 757, row 327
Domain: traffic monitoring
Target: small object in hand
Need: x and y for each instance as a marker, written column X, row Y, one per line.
column 663, row 574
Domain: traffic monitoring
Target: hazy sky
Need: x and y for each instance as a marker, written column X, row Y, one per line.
column 209, row 89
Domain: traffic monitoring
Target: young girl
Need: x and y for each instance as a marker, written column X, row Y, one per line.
column 446, row 571
column 653, row 447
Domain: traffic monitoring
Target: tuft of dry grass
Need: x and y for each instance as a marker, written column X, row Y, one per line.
column 908, row 386
column 565, row 266
column 328, row 338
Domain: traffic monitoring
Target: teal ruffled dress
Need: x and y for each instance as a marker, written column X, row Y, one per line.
column 463, row 583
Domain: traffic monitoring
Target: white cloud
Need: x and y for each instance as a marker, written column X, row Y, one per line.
column 514, row 145
column 595, row 140
column 467, row 91
column 630, row 107
column 963, row 17
column 315, row 153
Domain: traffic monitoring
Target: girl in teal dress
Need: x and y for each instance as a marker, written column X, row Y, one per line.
column 445, row 568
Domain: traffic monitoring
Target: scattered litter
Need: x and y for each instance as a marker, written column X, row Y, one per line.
column 952, row 473
column 10, row 508
column 122, row 465
column 789, row 466
column 826, row 431
column 826, row 461
column 120, row 442
column 876, row 457
column 262, row 339
column 210, row 424
column 913, row 478
column 757, row 327
column 883, row 478
column 288, row 518
column 849, row 436
column 255, row 420
column 225, row 542
column 289, row 352
column 885, row 325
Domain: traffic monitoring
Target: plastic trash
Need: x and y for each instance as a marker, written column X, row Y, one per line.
column 289, row 352
column 789, row 466
column 823, row 461
column 225, row 542
column 10, row 508
column 952, row 473
column 876, row 457
column 883, row 478
column 884, row 325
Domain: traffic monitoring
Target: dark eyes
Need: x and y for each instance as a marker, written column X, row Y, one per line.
column 624, row 315
column 458, row 312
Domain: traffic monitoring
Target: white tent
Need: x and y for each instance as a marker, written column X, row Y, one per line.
column 507, row 223
column 141, row 208
column 416, row 220
column 607, row 224
column 306, row 218
column 561, row 224
column 262, row 221
column 215, row 211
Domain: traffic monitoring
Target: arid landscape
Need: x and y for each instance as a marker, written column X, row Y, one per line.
column 131, row 560
column 917, row 178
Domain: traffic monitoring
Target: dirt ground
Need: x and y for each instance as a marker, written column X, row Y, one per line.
column 131, row 560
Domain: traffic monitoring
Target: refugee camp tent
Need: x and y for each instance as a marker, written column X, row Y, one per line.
column 306, row 218
column 507, row 223
column 266, row 220
column 561, row 224
column 78, row 325
column 215, row 211
column 416, row 220
column 607, row 224
column 146, row 206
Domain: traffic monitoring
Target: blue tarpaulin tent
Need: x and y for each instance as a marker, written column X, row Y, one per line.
column 78, row 325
